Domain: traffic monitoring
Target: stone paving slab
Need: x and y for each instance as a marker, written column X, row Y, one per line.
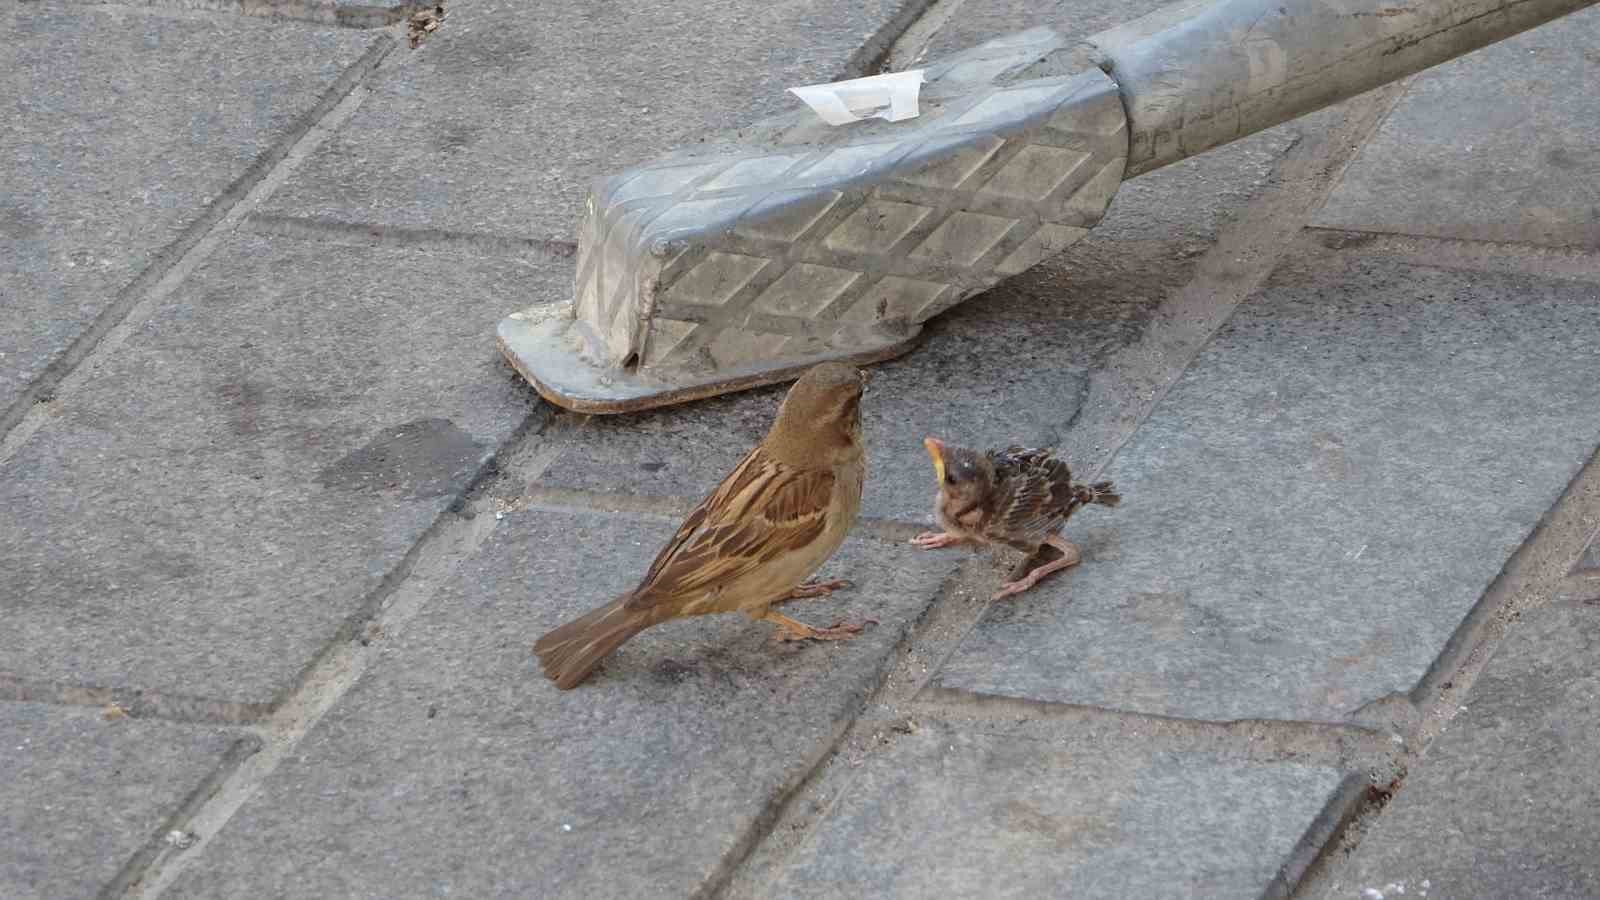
column 1008, row 366
column 81, row 794
column 1319, row 500
column 222, row 494
column 121, row 153
column 454, row 767
column 1507, row 802
column 499, row 122
column 953, row 814
column 1500, row 145
column 977, row 21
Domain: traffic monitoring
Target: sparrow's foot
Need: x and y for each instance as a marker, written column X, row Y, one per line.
column 791, row 630
column 933, row 540
column 819, row 589
column 1070, row 556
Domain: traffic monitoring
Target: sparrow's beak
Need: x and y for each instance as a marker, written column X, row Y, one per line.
column 936, row 453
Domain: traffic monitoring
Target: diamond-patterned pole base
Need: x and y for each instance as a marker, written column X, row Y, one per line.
column 734, row 265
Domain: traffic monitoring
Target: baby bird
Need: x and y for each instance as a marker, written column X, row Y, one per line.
column 778, row 516
column 1016, row 497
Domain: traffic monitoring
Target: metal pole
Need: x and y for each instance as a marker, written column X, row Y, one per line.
column 749, row 257
column 1206, row 74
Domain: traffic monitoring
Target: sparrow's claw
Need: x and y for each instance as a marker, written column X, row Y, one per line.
column 838, row 631
column 790, row 630
column 1070, row 556
column 1009, row 588
column 819, row 588
column 933, row 540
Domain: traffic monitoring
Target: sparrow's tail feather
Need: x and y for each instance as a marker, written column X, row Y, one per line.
column 1101, row 492
column 569, row 653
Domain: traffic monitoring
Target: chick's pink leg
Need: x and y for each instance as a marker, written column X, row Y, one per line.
column 1070, row 556
column 933, row 540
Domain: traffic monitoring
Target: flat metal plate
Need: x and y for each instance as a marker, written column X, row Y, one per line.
column 540, row 346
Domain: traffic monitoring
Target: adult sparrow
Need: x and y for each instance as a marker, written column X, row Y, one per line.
column 778, row 516
column 1017, row 497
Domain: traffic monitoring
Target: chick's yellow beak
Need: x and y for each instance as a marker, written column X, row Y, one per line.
column 936, row 453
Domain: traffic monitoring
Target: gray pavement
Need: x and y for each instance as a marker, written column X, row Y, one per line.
column 278, row 526
column 1493, row 147
column 204, row 533
column 125, row 163
column 1005, row 816
column 705, row 725
column 502, row 132
column 90, row 794
column 1502, row 805
column 1284, row 560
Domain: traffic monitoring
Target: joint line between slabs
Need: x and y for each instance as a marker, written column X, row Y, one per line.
column 134, row 870
column 1537, row 572
column 911, row 47
column 142, row 297
column 874, row 53
column 344, row 661
column 1304, row 177
column 1539, row 569
column 1286, row 738
column 138, row 704
column 1460, row 254
column 326, row 13
column 373, row 234
column 781, row 807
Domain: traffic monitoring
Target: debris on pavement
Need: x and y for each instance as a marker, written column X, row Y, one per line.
column 424, row 22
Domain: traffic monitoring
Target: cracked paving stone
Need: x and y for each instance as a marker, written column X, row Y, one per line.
column 1507, row 801
column 83, row 791
column 946, row 813
column 231, row 486
column 454, row 767
column 121, row 152
column 1318, row 502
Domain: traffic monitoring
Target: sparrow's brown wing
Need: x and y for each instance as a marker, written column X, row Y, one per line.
column 1023, row 458
column 1035, row 496
column 762, row 511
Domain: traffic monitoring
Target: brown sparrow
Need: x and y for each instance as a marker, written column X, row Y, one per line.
column 1016, row 497
column 777, row 517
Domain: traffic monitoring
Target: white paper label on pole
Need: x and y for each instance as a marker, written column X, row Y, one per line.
column 892, row 96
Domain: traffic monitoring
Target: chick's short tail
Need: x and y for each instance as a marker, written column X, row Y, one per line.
column 1101, row 492
column 569, row 653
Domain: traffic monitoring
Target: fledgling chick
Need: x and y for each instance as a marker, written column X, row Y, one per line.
column 1016, row 497
column 777, row 517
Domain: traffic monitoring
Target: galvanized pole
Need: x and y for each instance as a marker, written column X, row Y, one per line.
column 1225, row 70
column 747, row 258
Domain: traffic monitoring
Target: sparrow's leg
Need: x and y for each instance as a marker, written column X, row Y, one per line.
column 817, row 589
column 1070, row 556
column 933, row 540
column 790, row 630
